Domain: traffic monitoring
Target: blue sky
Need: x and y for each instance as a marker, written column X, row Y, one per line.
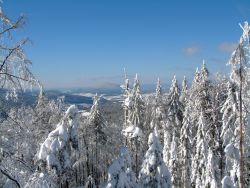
column 83, row 43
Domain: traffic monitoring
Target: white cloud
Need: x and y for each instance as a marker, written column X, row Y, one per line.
column 192, row 50
column 228, row 47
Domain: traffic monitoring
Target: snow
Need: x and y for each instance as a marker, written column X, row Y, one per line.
column 9, row 184
column 246, row 30
column 71, row 111
column 120, row 173
column 232, row 152
column 132, row 131
column 227, row 182
column 41, row 180
column 85, row 114
column 128, row 102
column 54, row 147
column 154, row 172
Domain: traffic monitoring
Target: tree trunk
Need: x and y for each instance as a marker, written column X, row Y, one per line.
column 241, row 131
column 96, row 155
column 136, row 158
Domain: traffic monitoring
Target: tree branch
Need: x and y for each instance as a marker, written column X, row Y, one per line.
column 17, row 24
column 10, row 177
column 11, row 75
column 11, row 51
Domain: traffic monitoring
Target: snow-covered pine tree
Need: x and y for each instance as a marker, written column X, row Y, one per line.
column 158, row 91
column 126, row 93
column 120, row 174
column 240, row 65
column 46, row 114
column 154, row 172
column 206, row 130
column 173, row 127
column 55, row 152
column 157, row 117
column 199, row 160
column 185, row 147
column 136, row 114
column 205, row 101
column 211, row 171
column 158, row 114
column 184, row 92
column 134, row 131
column 175, row 162
column 230, row 121
column 220, row 94
column 96, row 139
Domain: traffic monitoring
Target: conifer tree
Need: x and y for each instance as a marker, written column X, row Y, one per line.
column 158, row 116
column 154, row 172
column 199, row 162
column 97, row 138
column 184, row 92
column 185, row 148
column 238, row 148
column 55, row 152
column 173, row 127
column 211, row 170
column 135, row 129
column 120, row 174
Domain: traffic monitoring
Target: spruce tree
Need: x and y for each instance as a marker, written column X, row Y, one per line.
column 120, row 174
column 154, row 172
column 173, row 127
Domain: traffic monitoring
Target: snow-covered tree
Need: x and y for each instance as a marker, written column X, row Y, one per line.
column 173, row 127
column 205, row 105
column 204, row 130
column 134, row 105
column 154, row 172
column 158, row 91
column 211, row 169
column 41, row 180
column 184, row 92
column 199, row 162
column 55, row 152
column 157, row 114
column 175, row 162
column 220, row 94
column 14, row 65
column 230, row 133
column 134, row 130
column 137, row 107
column 126, row 93
column 120, row 174
column 15, row 76
column 237, row 146
column 185, row 148
column 97, row 139
column 230, row 115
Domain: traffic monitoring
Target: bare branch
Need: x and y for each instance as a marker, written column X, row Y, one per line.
column 20, row 22
column 10, row 177
column 11, row 75
column 11, row 52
